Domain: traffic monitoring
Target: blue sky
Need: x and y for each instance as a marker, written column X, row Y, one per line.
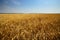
column 29, row 6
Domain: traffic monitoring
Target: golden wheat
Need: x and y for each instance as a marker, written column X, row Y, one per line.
column 29, row 27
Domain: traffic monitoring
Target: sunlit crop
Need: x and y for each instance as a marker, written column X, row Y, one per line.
column 29, row 27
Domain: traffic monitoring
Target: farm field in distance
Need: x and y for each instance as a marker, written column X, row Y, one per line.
column 29, row 26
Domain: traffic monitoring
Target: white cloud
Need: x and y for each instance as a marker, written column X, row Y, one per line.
column 15, row 2
column 8, row 9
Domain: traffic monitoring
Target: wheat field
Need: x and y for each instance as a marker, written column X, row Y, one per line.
column 29, row 26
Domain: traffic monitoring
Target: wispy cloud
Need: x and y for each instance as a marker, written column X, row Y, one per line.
column 15, row 2
column 6, row 8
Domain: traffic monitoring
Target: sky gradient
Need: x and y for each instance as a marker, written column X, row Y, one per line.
column 29, row 6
